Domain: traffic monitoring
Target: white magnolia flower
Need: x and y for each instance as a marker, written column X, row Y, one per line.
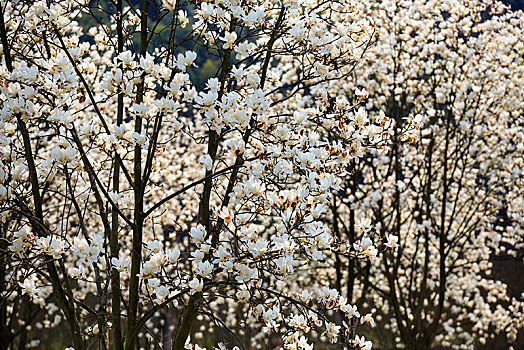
column 120, row 264
column 196, row 285
column 229, row 39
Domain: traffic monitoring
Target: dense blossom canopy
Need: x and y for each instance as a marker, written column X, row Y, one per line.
column 146, row 205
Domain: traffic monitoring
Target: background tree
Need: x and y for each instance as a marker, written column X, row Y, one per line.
column 459, row 68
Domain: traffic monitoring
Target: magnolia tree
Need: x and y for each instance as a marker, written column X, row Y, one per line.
column 437, row 202
column 141, row 209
